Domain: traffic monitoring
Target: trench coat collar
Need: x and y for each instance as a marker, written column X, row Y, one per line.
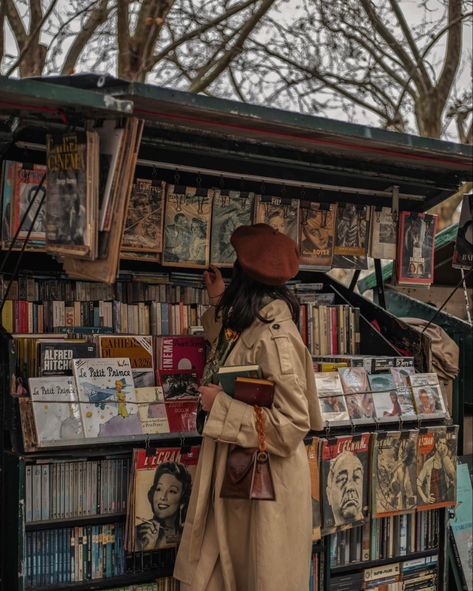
column 276, row 311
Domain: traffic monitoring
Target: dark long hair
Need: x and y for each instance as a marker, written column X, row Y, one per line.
column 244, row 297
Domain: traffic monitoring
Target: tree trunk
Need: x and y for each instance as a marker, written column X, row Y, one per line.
column 428, row 114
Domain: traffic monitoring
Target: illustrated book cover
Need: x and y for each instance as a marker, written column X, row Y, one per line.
column 107, row 397
column 383, row 238
column 394, row 473
column 187, row 227
column 138, row 349
column 330, row 395
column 280, row 213
column 55, row 356
column 415, row 256
column 428, row 396
column 152, row 410
column 345, row 481
column 160, row 488
column 230, row 209
column 351, row 236
column 317, row 235
column 463, row 250
column 56, row 410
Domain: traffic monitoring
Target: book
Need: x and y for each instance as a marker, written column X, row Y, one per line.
column 179, row 384
column 254, row 391
column 463, row 249
column 280, row 213
column 138, row 349
column 187, row 227
column 313, row 457
column 345, row 488
column 415, row 257
column 385, row 396
column 230, row 209
column 143, row 231
column 351, row 236
column 436, row 467
column 56, row 410
column 462, row 525
column 330, row 395
column 227, row 375
column 55, row 356
column 182, row 416
column 317, row 235
column 394, row 473
column 107, row 397
column 180, row 352
column 160, row 488
column 383, row 236
column 152, row 410
column 428, row 396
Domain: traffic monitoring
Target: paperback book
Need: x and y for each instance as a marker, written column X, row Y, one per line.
column 182, row 415
column 428, row 396
column 331, row 399
column 463, row 250
column 175, row 353
column 138, row 349
column 280, row 213
column 415, row 257
column 317, row 235
column 351, row 236
column 230, row 209
column 55, row 356
column 152, row 410
column 383, row 234
column 107, row 397
column 56, row 410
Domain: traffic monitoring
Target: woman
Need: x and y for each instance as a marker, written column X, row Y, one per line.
column 168, row 497
column 242, row 545
column 396, row 409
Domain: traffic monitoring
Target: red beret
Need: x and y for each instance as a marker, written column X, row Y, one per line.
column 265, row 254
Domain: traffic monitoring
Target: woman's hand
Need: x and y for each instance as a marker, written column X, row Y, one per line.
column 148, row 534
column 214, row 283
column 208, row 394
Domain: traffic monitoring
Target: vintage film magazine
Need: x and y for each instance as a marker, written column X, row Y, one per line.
column 436, row 467
column 351, row 236
column 463, row 250
column 428, row 396
column 56, row 410
column 144, row 221
column 107, row 397
column 317, row 235
column 313, row 450
column 20, row 183
column 331, row 399
column 345, row 488
column 187, row 227
column 394, row 473
column 359, row 399
column 385, row 396
column 415, row 258
column 383, row 236
column 175, row 353
column 230, row 209
column 280, row 213
column 138, row 349
column 179, row 384
column 160, row 489
column 152, row 410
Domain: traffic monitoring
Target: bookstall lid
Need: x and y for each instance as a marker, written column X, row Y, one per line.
column 297, row 146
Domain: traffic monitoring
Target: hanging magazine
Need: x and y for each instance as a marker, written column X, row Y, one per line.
column 331, row 399
column 107, row 397
column 351, row 236
column 345, row 467
column 230, row 209
column 160, row 488
column 428, row 395
column 383, row 236
column 463, row 251
column 436, row 467
column 415, row 259
column 144, row 221
column 187, row 227
column 280, row 213
column 394, row 473
column 317, row 235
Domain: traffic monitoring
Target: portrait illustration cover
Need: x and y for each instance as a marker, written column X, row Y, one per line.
column 317, row 235
column 415, row 259
column 280, row 213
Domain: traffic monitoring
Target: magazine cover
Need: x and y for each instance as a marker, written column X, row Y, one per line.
column 437, row 467
column 144, row 221
column 152, row 410
column 351, row 236
column 331, row 398
column 280, row 213
column 383, row 234
column 385, row 396
column 345, row 482
column 317, row 235
column 405, row 397
column 415, row 258
column 187, row 227
column 462, row 524
column 179, row 385
column 181, row 352
column 230, row 209
column 313, row 456
column 182, row 415
column 161, row 488
column 107, row 397
column 55, row 356
column 428, row 396
column 394, row 473
column 138, row 349
column 55, row 409
column 353, row 379
column 463, row 250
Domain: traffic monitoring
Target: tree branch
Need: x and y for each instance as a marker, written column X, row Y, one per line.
column 453, row 51
column 123, row 38
column 15, row 22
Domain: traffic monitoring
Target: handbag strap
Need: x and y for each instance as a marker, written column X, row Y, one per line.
column 260, row 429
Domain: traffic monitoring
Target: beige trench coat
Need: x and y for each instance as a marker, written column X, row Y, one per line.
column 256, row 545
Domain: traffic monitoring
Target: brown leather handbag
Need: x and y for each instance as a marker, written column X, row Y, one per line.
column 248, row 470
